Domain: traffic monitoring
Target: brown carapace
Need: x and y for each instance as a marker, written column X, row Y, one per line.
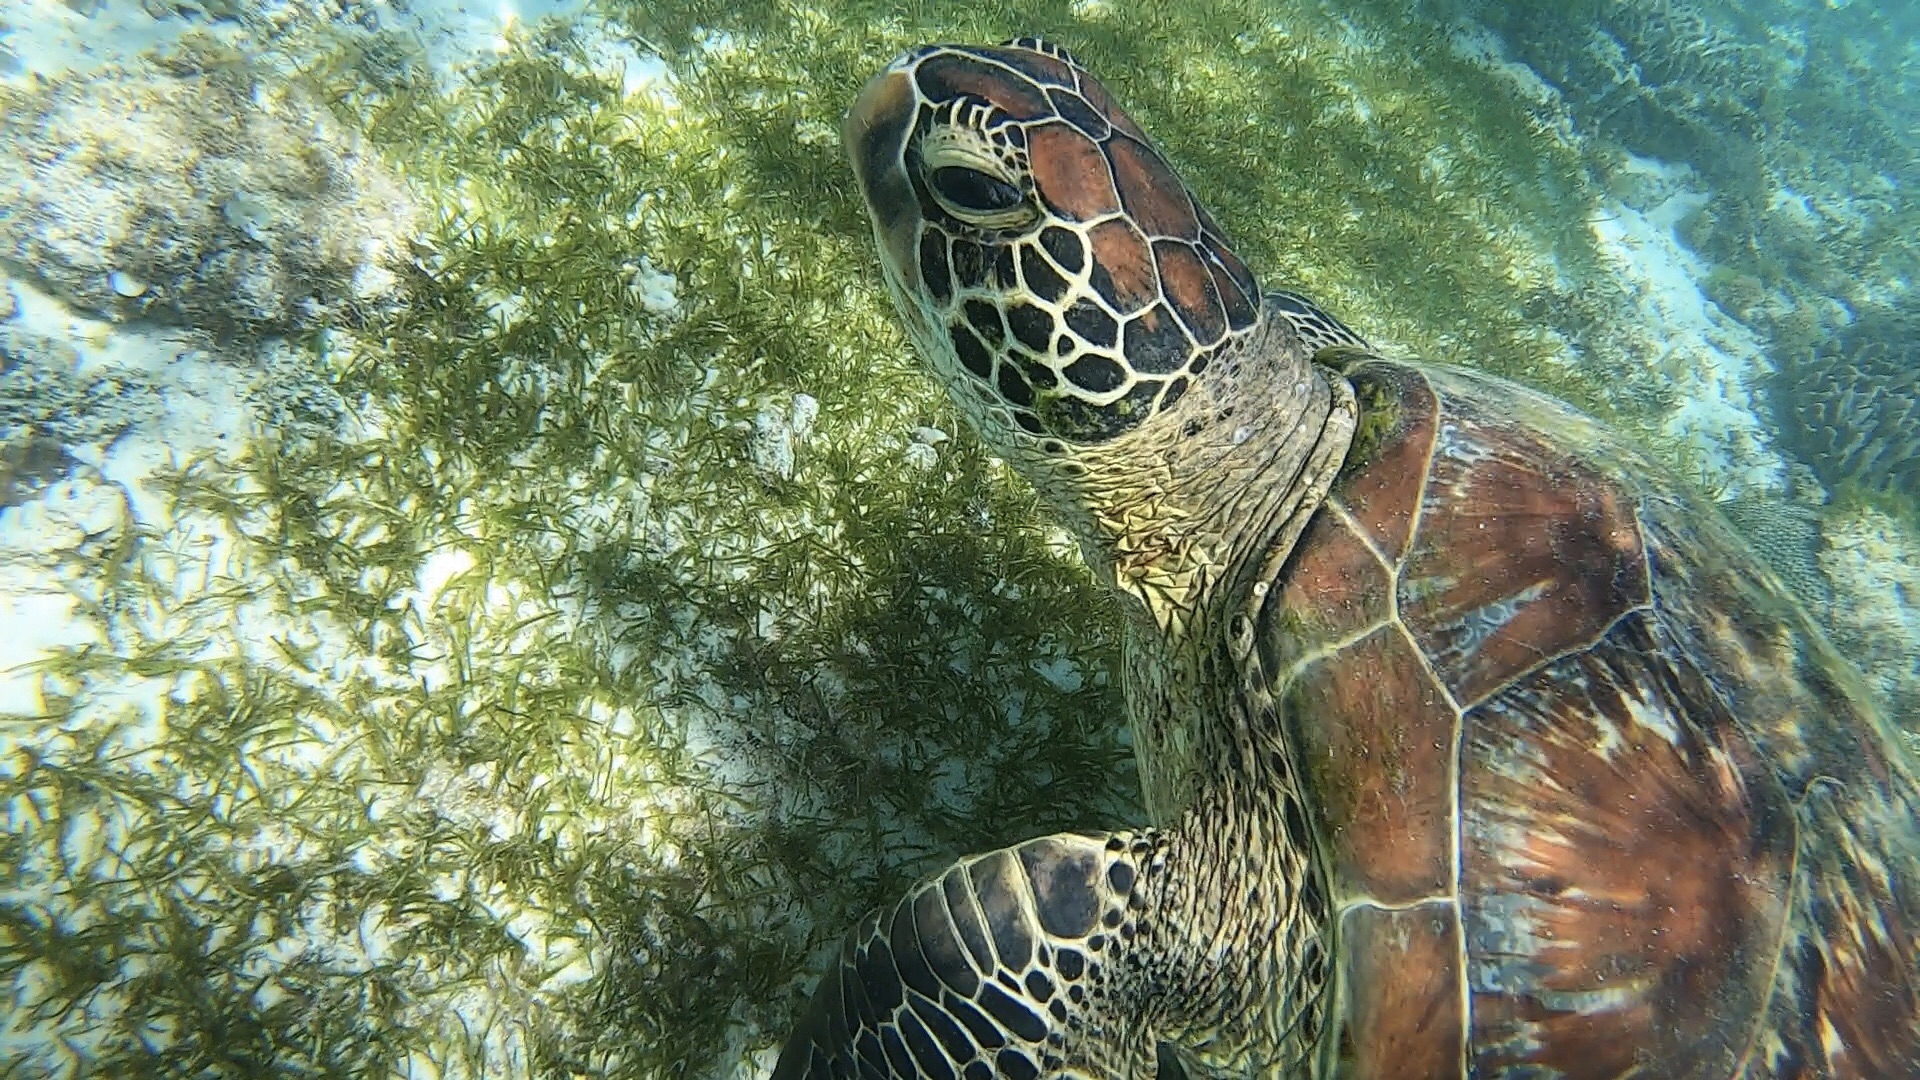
column 1478, row 749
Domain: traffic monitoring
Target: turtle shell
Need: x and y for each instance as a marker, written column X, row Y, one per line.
column 1594, row 799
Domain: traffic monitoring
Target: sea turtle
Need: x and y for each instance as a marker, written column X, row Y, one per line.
column 1478, row 748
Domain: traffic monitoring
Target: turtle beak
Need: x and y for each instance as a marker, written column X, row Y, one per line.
column 874, row 135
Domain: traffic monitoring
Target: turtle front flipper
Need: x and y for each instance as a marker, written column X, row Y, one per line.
column 1013, row 964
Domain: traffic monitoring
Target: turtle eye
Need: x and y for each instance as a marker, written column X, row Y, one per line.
column 968, row 175
column 972, row 192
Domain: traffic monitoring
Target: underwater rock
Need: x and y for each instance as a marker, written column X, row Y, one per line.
column 1851, row 410
column 189, row 191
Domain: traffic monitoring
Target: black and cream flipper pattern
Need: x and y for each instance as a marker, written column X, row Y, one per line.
column 1011, row 964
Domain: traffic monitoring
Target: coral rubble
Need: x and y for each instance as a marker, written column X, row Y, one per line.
column 195, row 193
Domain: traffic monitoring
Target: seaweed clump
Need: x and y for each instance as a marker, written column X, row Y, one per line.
column 1851, row 411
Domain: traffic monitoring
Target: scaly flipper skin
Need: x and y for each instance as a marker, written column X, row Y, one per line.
column 1079, row 956
column 1018, row 963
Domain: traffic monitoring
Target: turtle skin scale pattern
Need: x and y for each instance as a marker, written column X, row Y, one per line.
column 982, row 971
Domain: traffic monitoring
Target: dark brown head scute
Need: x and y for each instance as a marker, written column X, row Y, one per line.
column 1103, row 103
column 1031, row 327
column 969, row 263
column 1064, row 248
column 1096, row 374
column 985, row 320
column 952, row 75
column 1123, row 269
column 1153, row 196
column 1070, row 173
column 875, row 145
column 1039, row 276
column 973, row 355
column 1238, row 291
column 1154, row 343
column 935, row 275
column 1033, row 58
column 1190, row 288
column 1075, row 110
column 1081, row 420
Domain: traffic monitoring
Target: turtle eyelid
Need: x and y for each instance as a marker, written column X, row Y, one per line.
column 972, row 189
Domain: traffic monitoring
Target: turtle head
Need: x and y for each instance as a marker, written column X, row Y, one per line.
column 1045, row 257
column 1086, row 312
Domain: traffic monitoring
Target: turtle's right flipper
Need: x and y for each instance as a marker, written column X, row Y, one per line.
column 1009, row 964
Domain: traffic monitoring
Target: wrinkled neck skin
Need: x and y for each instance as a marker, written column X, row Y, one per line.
column 1236, row 973
column 1190, row 525
column 1197, row 533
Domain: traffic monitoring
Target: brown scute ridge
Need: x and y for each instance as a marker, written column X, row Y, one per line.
column 1404, row 1022
column 1191, row 291
column 1040, row 67
column 1627, row 855
column 1848, row 1001
column 1154, row 344
column 1065, row 883
column 1850, row 1008
column 1386, row 477
column 1523, row 553
column 949, row 75
column 1375, row 736
column 1153, row 195
column 1123, row 270
column 1332, row 588
column 1070, row 173
column 1102, row 101
column 877, row 128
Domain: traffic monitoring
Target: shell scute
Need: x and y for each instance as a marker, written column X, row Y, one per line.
column 1334, row 588
column 1627, row 854
column 1523, row 553
column 1404, row 968
column 1847, row 1000
column 1385, row 480
column 1380, row 766
column 1853, row 1011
